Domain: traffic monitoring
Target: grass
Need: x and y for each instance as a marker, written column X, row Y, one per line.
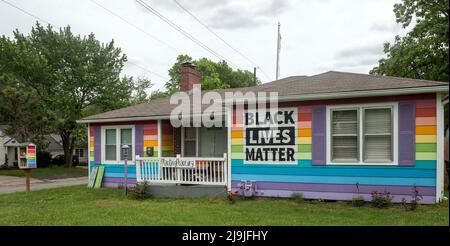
column 48, row 172
column 78, row 205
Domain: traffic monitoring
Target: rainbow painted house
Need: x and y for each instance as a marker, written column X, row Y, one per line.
column 333, row 136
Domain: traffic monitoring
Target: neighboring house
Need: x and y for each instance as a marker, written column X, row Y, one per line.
column 343, row 135
column 10, row 144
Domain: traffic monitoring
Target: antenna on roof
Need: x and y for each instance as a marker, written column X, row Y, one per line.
column 278, row 52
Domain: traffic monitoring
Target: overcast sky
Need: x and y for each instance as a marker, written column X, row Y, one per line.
column 317, row 35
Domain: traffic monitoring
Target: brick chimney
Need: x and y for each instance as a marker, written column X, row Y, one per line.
column 189, row 76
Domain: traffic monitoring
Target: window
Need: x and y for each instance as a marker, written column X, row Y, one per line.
column 79, row 153
column 345, row 135
column 190, row 142
column 362, row 134
column 114, row 138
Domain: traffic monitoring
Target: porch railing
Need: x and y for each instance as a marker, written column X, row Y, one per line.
column 182, row 170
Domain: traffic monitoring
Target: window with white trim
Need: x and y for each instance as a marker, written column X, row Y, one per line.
column 362, row 134
column 113, row 140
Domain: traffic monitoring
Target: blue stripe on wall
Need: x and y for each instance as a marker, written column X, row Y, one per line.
column 307, row 163
column 325, row 171
column 337, row 180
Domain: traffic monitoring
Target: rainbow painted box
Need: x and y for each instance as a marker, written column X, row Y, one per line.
column 27, row 156
column 331, row 136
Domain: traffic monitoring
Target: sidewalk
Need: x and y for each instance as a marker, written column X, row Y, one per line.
column 9, row 184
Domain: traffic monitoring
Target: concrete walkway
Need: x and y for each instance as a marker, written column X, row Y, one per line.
column 9, row 184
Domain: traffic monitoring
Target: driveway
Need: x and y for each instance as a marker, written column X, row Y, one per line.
column 9, row 184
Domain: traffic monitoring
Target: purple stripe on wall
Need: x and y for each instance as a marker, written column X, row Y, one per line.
column 139, row 139
column 319, row 135
column 97, row 144
column 341, row 188
column 119, row 180
column 406, row 133
column 335, row 196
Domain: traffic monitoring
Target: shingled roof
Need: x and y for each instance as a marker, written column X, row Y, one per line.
column 329, row 82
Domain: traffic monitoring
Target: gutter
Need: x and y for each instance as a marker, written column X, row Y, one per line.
column 306, row 97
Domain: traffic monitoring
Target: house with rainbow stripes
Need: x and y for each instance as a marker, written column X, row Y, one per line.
column 332, row 136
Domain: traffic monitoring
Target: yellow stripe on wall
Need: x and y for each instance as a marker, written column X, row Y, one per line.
column 425, row 138
column 304, row 140
column 237, row 141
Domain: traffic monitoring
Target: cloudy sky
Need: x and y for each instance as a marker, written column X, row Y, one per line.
column 317, row 35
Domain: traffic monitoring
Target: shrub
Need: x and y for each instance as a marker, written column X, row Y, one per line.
column 297, row 197
column 140, row 191
column 415, row 199
column 381, row 199
column 43, row 158
column 358, row 201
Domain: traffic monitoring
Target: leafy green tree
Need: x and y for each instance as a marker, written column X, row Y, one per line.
column 423, row 52
column 51, row 78
column 215, row 75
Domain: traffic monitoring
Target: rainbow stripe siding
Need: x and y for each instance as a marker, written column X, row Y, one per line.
column 91, row 145
column 151, row 138
column 304, row 136
column 338, row 182
column 167, row 139
column 426, row 129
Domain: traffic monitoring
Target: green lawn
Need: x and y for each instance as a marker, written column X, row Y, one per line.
column 79, row 205
column 48, row 172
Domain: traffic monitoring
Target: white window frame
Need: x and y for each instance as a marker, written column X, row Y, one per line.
column 360, row 108
column 118, row 146
column 196, row 140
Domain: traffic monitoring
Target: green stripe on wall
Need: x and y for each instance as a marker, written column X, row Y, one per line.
column 426, row 147
column 235, row 155
column 303, row 156
column 304, row 148
column 424, row 156
column 237, row 148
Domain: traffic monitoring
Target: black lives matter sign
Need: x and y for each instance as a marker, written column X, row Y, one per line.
column 270, row 136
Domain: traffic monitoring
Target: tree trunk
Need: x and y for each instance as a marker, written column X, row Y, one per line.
column 68, row 143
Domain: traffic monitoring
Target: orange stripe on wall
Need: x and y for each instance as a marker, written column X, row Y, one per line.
column 426, row 121
column 425, row 130
column 150, row 142
column 304, row 132
column 237, row 134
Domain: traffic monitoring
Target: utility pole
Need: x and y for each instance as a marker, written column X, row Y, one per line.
column 278, row 52
column 254, row 75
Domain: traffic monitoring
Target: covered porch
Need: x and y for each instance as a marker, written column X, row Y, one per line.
column 199, row 157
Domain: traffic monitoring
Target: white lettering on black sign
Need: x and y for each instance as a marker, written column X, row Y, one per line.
column 270, row 136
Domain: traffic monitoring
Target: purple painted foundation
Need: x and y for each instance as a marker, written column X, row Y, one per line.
column 333, row 196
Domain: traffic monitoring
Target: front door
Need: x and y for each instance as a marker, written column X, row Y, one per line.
column 212, row 142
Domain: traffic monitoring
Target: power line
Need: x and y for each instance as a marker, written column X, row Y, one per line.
column 26, row 12
column 180, row 30
column 136, row 27
column 42, row 20
column 217, row 35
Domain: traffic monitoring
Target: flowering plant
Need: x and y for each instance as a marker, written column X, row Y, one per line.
column 381, row 199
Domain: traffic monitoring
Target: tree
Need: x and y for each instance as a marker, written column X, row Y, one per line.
column 423, row 52
column 49, row 79
column 215, row 75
